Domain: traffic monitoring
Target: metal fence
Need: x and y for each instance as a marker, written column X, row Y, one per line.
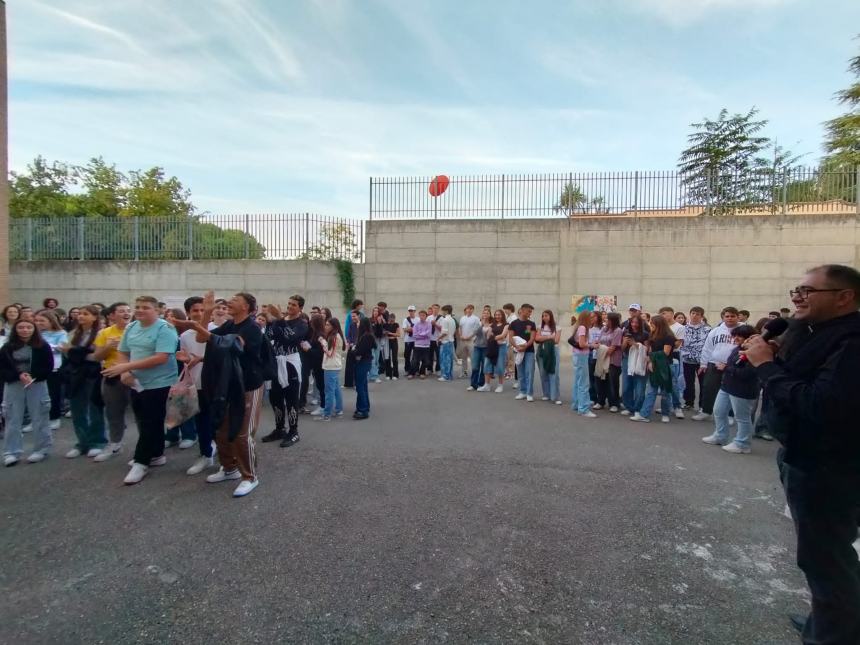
column 635, row 194
column 271, row 237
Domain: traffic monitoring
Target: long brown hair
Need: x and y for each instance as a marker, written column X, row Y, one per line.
column 583, row 320
column 317, row 325
column 336, row 331
column 659, row 328
column 94, row 330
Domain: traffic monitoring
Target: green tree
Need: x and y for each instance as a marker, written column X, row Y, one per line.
column 571, row 201
column 335, row 241
column 149, row 193
column 720, row 165
column 104, row 189
column 43, row 190
column 842, row 141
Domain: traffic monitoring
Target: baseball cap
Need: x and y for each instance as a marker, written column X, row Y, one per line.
column 635, row 306
column 410, row 308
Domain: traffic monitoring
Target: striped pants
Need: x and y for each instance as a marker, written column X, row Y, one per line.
column 240, row 453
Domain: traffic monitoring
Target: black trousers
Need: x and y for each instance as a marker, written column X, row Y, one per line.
column 149, row 410
column 434, row 356
column 592, row 382
column 312, row 364
column 55, row 391
column 608, row 389
column 390, row 366
column 278, row 401
column 691, row 375
column 349, row 369
column 407, row 357
column 825, row 506
column 421, row 357
column 285, row 401
column 711, row 382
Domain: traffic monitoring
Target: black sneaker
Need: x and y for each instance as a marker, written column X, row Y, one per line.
column 289, row 440
column 359, row 417
column 274, row 435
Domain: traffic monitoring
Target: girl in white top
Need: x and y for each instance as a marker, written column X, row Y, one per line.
column 333, row 344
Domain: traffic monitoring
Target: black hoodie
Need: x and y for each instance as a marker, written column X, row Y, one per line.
column 814, row 395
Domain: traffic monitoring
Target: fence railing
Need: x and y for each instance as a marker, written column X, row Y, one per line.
column 210, row 237
column 634, row 194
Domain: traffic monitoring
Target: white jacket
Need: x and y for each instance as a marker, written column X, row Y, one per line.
column 718, row 345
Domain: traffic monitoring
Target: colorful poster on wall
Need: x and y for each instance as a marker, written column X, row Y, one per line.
column 590, row 302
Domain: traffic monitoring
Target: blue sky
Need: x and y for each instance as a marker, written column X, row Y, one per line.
column 283, row 106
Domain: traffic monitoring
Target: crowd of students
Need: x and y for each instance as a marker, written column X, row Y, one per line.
column 95, row 362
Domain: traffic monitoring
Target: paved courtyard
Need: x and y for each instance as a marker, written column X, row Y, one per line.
column 449, row 516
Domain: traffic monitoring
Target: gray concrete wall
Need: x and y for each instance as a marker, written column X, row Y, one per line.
column 749, row 262
column 75, row 283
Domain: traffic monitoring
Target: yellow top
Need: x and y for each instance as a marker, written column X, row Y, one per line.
column 106, row 334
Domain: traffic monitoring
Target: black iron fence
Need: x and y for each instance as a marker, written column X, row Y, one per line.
column 636, row 194
column 209, row 237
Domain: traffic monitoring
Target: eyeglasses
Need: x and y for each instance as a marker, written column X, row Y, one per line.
column 803, row 292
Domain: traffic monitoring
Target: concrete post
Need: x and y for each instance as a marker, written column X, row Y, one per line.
column 4, row 163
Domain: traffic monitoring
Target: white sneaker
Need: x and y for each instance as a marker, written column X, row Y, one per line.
column 734, row 448
column 530, row 398
column 664, row 419
column 158, row 461
column 200, row 465
column 484, row 388
column 596, row 406
column 470, row 389
column 544, row 398
column 27, row 428
column 137, row 473
column 516, row 384
column 10, row 460
column 679, row 413
column 712, row 440
column 519, row 397
column 558, row 402
column 638, row 417
column 731, row 421
column 36, row 457
column 588, row 415
column 185, row 444
column 625, row 413
column 393, row 378
column 245, row 487
column 614, row 408
column 379, row 380
column 499, row 388
column 317, row 413
column 700, row 416
column 73, row 453
column 68, row 414
column 55, row 424
column 222, row 476
column 108, row 452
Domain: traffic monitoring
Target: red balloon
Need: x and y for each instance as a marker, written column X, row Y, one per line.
column 439, row 185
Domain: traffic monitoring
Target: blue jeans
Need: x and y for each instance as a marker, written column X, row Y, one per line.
column 374, row 364
column 446, row 360
column 333, row 396
column 549, row 382
column 478, row 366
column 743, row 417
column 87, row 418
column 651, row 398
column 526, row 371
column 362, row 398
column 17, row 400
column 679, row 384
column 497, row 367
column 580, row 399
column 632, row 388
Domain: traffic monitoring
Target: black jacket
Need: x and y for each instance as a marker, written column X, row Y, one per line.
column 814, row 395
column 41, row 364
column 223, row 382
column 740, row 381
column 364, row 348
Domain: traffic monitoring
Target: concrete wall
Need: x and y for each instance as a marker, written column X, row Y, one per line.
column 75, row 283
column 749, row 262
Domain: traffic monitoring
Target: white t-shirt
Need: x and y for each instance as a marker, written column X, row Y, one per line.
column 448, row 328
column 677, row 329
column 406, row 337
column 435, row 333
column 188, row 342
column 469, row 326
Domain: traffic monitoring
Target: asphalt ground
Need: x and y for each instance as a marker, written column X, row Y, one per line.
column 447, row 517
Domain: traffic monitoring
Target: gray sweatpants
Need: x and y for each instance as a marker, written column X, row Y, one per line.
column 35, row 399
column 117, row 398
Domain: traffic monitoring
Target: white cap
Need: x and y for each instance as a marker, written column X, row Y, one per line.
column 410, row 308
column 635, row 306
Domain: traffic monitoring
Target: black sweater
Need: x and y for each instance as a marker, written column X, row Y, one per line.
column 812, row 392
column 364, row 348
column 741, row 381
column 41, row 364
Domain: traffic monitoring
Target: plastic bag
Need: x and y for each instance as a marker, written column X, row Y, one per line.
column 182, row 403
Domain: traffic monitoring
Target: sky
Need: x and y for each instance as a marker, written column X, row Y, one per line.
column 270, row 106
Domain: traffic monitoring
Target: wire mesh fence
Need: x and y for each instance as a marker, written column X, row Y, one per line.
column 210, row 237
column 636, row 194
